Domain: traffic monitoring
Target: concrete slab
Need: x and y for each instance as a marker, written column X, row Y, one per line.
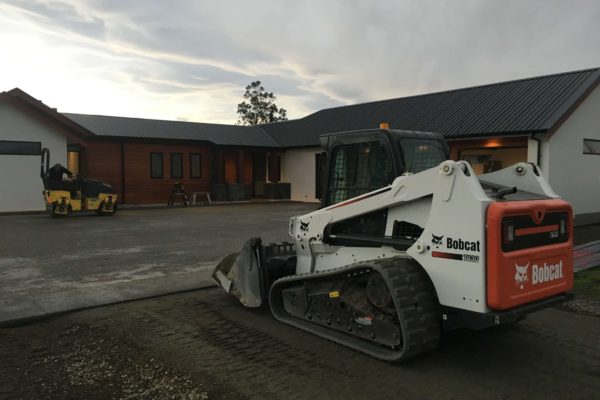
column 50, row 265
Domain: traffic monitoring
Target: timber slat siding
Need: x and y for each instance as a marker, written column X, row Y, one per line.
column 103, row 161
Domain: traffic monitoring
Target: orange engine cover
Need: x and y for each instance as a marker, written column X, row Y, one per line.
column 529, row 251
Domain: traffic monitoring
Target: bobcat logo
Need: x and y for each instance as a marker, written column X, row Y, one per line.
column 436, row 240
column 304, row 226
column 521, row 275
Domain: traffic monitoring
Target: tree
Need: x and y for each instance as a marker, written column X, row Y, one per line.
column 259, row 106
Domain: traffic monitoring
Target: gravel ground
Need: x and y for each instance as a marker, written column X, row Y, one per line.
column 203, row 344
column 82, row 361
column 584, row 306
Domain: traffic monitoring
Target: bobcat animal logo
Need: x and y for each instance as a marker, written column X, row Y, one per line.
column 436, row 240
column 521, row 275
column 304, row 226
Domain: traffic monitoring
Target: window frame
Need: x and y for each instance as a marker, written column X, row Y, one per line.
column 320, row 171
column 21, row 152
column 591, row 152
column 356, row 147
column 180, row 166
column 162, row 165
column 199, row 176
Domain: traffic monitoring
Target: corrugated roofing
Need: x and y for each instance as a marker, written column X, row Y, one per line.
column 513, row 107
column 227, row 135
column 507, row 108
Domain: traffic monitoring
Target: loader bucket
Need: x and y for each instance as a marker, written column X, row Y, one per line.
column 239, row 274
column 249, row 274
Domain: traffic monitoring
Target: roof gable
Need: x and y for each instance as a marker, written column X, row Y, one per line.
column 39, row 110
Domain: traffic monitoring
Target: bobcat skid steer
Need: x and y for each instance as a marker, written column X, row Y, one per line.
column 408, row 243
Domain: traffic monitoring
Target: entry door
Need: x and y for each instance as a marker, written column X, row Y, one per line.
column 259, row 173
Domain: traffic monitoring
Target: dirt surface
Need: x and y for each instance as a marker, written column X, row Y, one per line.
column 203, row 344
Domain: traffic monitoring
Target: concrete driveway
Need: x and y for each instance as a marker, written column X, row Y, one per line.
column 49, row 265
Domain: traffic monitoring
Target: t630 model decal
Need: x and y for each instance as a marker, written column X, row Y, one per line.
column 455, row 256
column 455, row 244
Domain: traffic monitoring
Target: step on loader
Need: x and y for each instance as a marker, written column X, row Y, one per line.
column 407, row 244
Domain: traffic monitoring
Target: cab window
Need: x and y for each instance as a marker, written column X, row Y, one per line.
column 421, row 154
column 358, row 168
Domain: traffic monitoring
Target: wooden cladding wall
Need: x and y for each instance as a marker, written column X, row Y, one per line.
column 102, row 161
column 141, row 189
column 231, row 166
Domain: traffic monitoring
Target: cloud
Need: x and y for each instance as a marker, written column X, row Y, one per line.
column 192, row 60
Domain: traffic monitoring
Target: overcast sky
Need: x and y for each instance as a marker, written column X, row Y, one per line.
column 190, row 60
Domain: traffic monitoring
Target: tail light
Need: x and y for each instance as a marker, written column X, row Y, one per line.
column 508, row 232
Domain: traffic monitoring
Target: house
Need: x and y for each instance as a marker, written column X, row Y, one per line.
column 551, row 120
column 143, row 158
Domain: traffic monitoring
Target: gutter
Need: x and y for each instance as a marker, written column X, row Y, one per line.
column 539, row 148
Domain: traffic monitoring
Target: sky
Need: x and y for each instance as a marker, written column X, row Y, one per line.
column 191, row 59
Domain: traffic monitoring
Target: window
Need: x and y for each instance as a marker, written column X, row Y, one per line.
column 195, row 165
column 176, row 165
column 421, row 154
column 156, row 165
column 320, row 163
column 12, row 148
column 356, row 169
column 591, row 146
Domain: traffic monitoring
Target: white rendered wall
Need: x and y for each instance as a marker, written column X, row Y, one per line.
column 573, row 175
column 298, row 168
column 20, row 183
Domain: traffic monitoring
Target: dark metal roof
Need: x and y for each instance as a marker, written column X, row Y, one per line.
column 521, row 106
column 515, row 107
column 138, row 128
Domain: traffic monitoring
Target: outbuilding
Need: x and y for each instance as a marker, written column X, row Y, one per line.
column 26, row 126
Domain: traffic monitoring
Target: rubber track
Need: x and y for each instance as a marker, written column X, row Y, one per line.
column 413, row 294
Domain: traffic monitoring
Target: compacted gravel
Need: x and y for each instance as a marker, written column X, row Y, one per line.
column 204, row 345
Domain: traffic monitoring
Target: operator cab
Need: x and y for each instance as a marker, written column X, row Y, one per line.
column 359, row 162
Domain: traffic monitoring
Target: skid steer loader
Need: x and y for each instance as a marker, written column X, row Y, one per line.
column 64, row 193
column 408, row 243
